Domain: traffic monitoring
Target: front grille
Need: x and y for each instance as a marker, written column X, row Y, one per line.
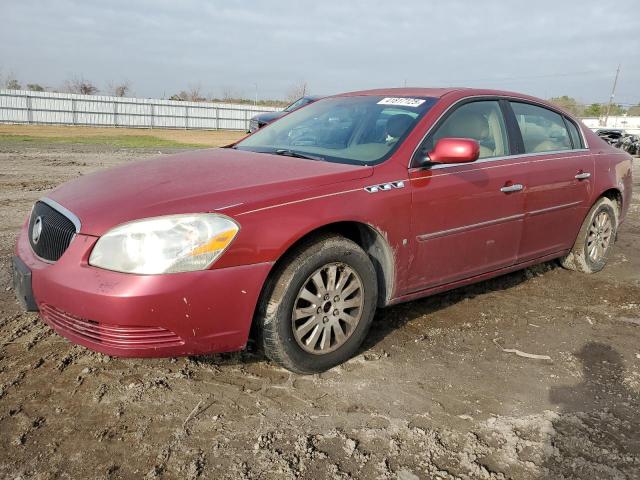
column 54, row 232
column 117, row 336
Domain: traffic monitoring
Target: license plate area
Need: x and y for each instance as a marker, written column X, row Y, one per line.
column 22, row 285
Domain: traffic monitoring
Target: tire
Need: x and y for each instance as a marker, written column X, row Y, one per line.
column 580, row 259
column 301, row 344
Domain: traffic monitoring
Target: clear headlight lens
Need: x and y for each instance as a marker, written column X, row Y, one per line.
column 170, row 244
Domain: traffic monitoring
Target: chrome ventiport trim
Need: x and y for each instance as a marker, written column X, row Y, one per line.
column 385, row 186
column 64, row 211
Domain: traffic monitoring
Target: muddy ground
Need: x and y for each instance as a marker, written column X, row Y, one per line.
column 430, row 396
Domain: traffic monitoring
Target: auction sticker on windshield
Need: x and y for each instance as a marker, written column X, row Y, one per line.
column 403, row 101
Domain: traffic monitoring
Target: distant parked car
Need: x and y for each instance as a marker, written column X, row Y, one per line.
column 263, row 119
column 630, row 144
column 610, row 135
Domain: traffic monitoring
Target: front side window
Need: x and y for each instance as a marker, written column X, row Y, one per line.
column 362, row 130
column 481, row 121
column 542, row 130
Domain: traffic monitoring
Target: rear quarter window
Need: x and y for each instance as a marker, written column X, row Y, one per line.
column 574, row 133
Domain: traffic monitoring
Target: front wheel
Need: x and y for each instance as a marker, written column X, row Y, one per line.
column 595, row 240
column 318, row 305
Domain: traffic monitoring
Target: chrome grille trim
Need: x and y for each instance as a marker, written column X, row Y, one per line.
column 64, row 211
column 51, row 229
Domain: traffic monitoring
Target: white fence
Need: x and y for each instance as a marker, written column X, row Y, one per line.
column 26, row 107
column 628, row 123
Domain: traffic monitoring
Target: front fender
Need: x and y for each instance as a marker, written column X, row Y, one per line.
column 269, row 232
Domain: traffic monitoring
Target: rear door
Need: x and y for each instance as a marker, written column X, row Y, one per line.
column 467, row 218
column 558, row 183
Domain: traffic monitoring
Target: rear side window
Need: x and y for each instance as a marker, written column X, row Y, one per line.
column 574, row 134
column 542, row 130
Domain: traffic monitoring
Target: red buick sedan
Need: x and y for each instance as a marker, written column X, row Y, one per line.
column 304, row 228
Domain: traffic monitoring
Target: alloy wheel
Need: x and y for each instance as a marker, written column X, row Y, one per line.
column 328, row 308
column 599, row 236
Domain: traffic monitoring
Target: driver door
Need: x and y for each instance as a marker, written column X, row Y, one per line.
column 467, row 219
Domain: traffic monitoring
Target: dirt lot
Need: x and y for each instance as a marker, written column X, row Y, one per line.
column 430, row 396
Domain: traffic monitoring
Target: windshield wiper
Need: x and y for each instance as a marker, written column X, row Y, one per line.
column 292, row 153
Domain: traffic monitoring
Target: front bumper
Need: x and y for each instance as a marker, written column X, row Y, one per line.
column 143, row 315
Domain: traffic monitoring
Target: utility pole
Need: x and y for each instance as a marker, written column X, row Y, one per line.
column 613, row 94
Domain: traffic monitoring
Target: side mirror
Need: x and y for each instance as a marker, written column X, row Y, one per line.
column 455, row 150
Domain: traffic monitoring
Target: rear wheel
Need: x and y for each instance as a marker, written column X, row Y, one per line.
column 595, row 240
column 318, row 306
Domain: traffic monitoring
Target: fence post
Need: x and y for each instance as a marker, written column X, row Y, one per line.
column 217, row 118
column 153, row 109
column 186, row 117
column 246, row 121
column 115, row 113
column 74, row 113
column 29, row 110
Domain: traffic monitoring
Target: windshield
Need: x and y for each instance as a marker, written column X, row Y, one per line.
column 362, row 130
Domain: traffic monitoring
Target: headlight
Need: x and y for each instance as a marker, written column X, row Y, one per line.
column 171, row 244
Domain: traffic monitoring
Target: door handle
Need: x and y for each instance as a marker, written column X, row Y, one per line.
column 582, row 175
column 516, row 187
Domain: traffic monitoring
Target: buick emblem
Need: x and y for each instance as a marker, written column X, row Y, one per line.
column 37, row 230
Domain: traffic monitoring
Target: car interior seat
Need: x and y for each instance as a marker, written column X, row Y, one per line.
column 467, row 124
column 396, row 126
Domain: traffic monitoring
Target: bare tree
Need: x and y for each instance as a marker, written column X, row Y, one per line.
column 228, row 94
column 80, row 85
column 35, row 87
column 119, row 89
column 297, row 90
column 195, row 94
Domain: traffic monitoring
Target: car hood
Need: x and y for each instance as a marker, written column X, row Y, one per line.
column 269, row 116
column 200, row 181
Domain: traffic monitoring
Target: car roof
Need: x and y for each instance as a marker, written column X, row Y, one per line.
column 460, row 92
column 439, row 92
column 404, row 92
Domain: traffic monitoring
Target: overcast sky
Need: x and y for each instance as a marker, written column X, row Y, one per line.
column 545, row 48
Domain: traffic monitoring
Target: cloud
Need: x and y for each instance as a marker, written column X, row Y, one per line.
column 545, row 48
